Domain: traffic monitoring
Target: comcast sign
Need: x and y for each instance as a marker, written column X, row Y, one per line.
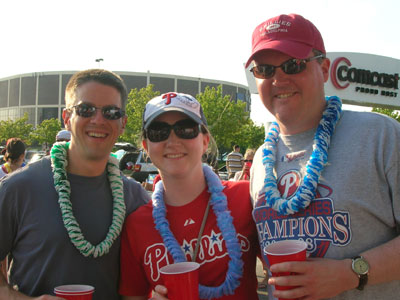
column 364, row 79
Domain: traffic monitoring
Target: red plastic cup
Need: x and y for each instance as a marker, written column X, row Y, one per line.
column 181, row 280
column 74, row 292
column 287, row 250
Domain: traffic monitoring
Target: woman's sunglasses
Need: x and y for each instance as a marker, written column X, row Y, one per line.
column 291, row 66
column 86, row 110
column 160, row 131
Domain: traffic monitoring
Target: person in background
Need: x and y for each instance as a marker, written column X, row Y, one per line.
column 176, row 136
column 244, row 174
column 325, row 175
column 61, row 216
column 234, row 162
column 14, row 156
column 63, row 136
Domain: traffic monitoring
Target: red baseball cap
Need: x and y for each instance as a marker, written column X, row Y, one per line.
column 290, row 34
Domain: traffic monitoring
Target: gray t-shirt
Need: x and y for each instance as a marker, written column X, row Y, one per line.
column 32, row 230
column 357, row 206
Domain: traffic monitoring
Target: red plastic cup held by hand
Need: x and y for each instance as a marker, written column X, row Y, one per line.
column 181, row 280
column 282, row 251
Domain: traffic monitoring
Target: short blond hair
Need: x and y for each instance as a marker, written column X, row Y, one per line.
column 249, row 152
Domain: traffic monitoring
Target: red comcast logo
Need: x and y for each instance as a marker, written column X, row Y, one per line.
column 334, row 67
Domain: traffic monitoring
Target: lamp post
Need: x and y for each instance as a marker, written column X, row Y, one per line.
column 99, row 60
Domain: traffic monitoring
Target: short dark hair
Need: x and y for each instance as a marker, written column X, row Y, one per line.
column 235, row 147
column 97, row 75
column 318, row 53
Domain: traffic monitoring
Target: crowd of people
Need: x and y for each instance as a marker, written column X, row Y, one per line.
column 324, row 175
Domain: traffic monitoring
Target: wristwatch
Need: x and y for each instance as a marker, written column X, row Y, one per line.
column 361, row 267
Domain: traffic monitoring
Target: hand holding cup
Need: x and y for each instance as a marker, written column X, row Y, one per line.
column 181, row 280
column 283, row 251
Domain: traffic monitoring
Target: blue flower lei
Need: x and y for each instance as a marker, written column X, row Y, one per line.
column 318, row 160
column 224, row 220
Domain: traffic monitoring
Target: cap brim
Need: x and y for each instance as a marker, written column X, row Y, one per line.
column 167, row 109
column 293, row 49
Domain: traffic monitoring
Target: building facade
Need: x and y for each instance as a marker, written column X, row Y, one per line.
column 41, row 95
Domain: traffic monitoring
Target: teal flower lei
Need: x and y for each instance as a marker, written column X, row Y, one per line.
column 59, row 163
column 224, row 220
column 318, row 160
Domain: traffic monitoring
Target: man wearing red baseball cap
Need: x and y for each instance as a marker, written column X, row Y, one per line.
column 324, row 175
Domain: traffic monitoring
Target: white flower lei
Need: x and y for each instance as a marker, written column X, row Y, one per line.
column 59, row 163
column 318, row 159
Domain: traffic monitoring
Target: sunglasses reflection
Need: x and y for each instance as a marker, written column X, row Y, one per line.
column 87, row 110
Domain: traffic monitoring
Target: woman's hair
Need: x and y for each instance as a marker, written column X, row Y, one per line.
column 249, row 152
column 14, row 149
column 211, row 155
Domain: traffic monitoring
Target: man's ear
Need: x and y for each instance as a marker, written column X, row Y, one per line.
column 325, row 68
column 66, row 115
column 123, row 120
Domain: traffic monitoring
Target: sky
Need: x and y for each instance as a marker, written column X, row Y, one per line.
column 206, row 39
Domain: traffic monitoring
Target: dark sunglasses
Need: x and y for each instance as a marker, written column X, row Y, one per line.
column 291, row 66
column 160, row 131
column 86, row 110
column 248, row 160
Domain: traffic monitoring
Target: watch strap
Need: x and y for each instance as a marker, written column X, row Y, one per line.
column 363, row 279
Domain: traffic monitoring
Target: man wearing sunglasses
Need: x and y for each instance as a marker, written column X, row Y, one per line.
column 60, row 218
column 324, row 175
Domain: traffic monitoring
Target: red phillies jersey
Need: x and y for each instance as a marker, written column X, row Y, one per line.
column 143, row 252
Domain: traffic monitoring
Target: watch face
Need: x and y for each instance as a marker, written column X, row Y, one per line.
column 361, row 266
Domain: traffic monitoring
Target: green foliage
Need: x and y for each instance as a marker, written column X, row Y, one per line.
column 46, row 132
column 137, row 100
column 224, row 117
column 18, row 128
column 228, row 121
column 389, row 112
column 250, row 136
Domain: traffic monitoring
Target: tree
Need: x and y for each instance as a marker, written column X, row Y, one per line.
column 251, row 136
column 389, row 112
column 224, row 117
column 18, row 128
column 228, row 121
column 137, row 100
column 46, row 132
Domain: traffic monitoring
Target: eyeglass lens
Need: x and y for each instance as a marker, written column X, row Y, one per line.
column 184, row 129
column 109, row 112
column 291, row 66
